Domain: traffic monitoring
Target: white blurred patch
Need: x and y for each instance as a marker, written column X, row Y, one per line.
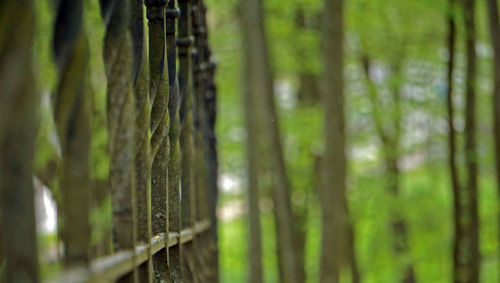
column 285, row 94
column 484, row 50
column 46, row 209
column 229, row 183
column 232, row 210
column 237, row 134
column 364, row 153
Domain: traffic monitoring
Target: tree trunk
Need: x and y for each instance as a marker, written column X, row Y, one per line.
column 299, row 242
column 336, row 243
column 260, row 76
column 392, row 154
column 473, row 262
column 255, row 243
column 390, row 149
column 333, row 184
column 308, row 94
column 495, row 41
column 452, row 163
column 398, row 224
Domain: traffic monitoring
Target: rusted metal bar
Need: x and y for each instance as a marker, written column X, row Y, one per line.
column 197, row 165
column 199, row 83
column 212, row 168
column 18, row 109
column 72, row 117
column 121, row 128
column 116, row 265
column 142, row 160
column 144, row 173
column 184, row 43
column 207, row 101
column 159, row 93
column 174, row 167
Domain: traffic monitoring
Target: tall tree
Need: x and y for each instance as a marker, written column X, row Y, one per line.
column 494, row 23
column 459, row 240
column 261, row 78
column 390, row 139
column 473, row 261
column 308, row 90
column 336, row 240
column 255, row 243
column 252, row 125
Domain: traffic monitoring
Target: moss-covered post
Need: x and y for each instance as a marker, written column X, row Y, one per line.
column 142, row 160
column 160, row 123
column 208, row 104
column 199, row 68
column 121, row 122
column 72, row 117
column 184, row 42
column 18, row 113
column 212, row 170
column 174, row 165
column 196, row 162
column 205, row 202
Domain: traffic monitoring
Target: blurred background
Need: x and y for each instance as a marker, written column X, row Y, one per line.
column 400, row 205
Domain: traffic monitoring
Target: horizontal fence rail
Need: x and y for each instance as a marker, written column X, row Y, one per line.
column 116, row 265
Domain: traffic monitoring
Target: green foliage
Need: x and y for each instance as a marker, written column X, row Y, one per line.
column 411, row 33
column 391, row 29
column 427, row 202
column 46, row 244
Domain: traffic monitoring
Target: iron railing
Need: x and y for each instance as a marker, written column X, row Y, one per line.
column 160, row 120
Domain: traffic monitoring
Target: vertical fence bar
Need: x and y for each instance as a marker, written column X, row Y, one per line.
column 140, row 75
column 120, row 116
column 202, row 31
column 198, row 92
column 17, row 136
column 195, row 166
column 208, row 202
column 160, row 123
column 195, row 160
column 174, row 168
column 184, row 42
column 213, row 169
column 72, row 117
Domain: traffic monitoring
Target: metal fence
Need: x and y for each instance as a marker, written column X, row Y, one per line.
column 162, row 148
